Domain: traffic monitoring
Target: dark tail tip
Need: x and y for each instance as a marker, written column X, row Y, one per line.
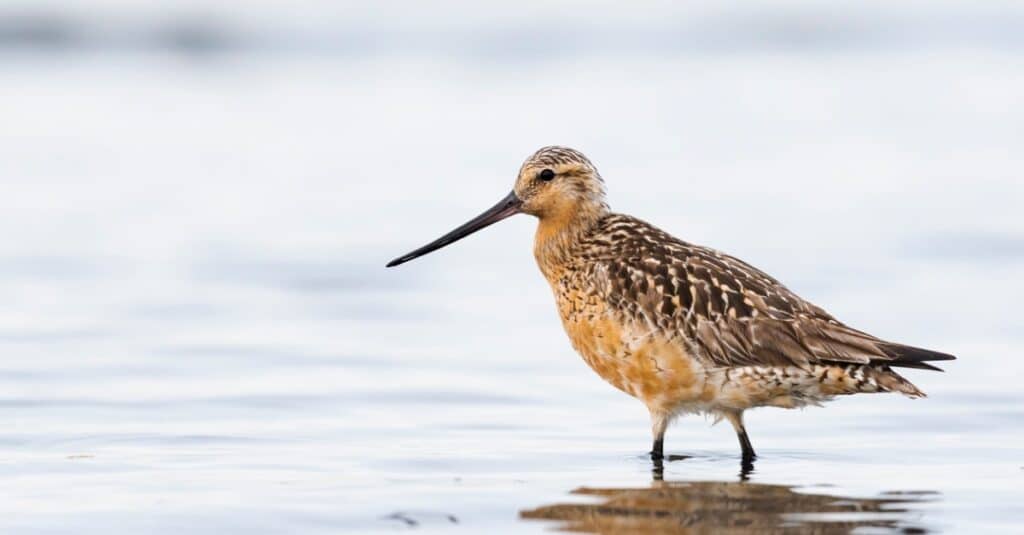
column 915, row 357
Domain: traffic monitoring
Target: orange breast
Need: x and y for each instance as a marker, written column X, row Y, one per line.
column 633, row 357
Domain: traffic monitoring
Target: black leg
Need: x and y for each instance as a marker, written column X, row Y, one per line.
column 746, row 468
column 747, row 463
column 736, row 419
column 748, row 449
column 658, row 449
column 659, row 423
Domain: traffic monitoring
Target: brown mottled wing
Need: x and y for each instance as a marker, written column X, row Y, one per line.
column 734, row 314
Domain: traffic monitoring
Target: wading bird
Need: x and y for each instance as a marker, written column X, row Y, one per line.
column 681, row 327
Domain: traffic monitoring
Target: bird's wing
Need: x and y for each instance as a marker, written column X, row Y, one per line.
column 735, row 314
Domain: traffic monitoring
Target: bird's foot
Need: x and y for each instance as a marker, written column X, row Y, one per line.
column 747, row 466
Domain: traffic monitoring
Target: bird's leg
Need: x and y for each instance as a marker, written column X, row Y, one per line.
column 659, row 423
column 736, row 419
column 658, row 449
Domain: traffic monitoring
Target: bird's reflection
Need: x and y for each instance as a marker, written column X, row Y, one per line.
column 731, row 507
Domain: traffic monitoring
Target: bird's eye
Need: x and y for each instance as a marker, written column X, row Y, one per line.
column 546, row 175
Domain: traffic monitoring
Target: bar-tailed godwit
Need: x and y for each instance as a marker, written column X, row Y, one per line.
column 681, row 327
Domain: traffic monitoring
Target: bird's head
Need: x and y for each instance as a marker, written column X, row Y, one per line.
column 555, row 184
column 561, row 183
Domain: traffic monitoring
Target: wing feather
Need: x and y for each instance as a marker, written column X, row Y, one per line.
column 735, row 314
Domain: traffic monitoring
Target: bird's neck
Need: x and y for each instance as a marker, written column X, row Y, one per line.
column 559, row 233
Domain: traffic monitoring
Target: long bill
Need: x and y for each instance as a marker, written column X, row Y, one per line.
column 506, row 207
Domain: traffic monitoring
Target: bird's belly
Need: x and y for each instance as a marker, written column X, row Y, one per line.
column 645, row 364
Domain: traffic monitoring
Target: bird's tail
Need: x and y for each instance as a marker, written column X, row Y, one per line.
column 914, row 357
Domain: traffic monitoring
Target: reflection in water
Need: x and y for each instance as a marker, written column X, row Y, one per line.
column 726, row 507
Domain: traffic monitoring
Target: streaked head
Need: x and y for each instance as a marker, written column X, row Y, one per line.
column 555, row 182
column 558, row 182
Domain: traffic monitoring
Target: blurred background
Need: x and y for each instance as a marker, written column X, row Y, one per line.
column 199, row 197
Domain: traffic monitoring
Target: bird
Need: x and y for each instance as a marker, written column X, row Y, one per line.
column 684, row 328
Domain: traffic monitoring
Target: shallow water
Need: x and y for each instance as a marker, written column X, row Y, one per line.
column 198, row 333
